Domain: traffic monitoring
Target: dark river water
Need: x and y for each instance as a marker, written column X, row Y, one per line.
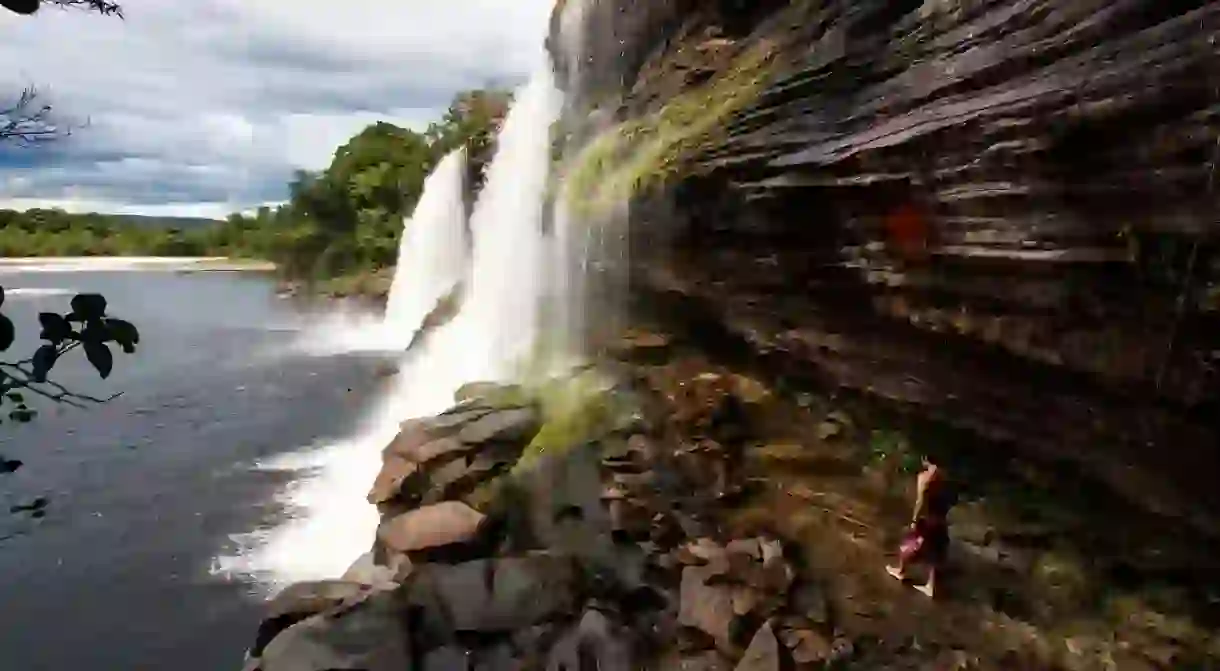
column 147, row 489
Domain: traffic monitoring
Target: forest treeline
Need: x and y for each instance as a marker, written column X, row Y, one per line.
column 344, row 220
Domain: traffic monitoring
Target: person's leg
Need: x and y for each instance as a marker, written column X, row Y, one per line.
column 899, row 571
column 938, row 554
column 929, row 588
column 906, row 553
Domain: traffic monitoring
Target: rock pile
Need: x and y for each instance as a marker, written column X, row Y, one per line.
column 491, row 555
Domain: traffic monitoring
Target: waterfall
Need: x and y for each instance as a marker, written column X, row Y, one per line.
column 432, row 256
column 495, row 330
column 588, row 246
column 432, row 260
column 499, row 322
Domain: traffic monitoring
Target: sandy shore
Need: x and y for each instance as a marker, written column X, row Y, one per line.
column 131, row 263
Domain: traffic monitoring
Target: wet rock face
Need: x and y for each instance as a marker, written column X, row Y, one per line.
column 368, row 635
column 496, row 595
column 301, row 601
column 988, row 211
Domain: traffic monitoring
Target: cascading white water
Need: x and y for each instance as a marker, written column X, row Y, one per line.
column 498, row 323
column 432, row 259
column 496, row 327
column 589, row 244
column 432, row 256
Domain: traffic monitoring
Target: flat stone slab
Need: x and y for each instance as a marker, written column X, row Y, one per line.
column 394, row 471
column 431, row 526
column 518, row 424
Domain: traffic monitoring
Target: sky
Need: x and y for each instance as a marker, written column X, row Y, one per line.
column 205, row 107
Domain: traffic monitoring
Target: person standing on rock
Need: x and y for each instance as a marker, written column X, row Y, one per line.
column 927, row 539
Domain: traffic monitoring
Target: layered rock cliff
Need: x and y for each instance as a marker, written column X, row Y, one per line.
column 1001, row 216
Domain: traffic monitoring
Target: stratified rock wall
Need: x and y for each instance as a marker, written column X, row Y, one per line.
column 1002, row 213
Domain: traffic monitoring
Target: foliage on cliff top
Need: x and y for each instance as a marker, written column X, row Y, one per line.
column 643, row 153
column 342, row 222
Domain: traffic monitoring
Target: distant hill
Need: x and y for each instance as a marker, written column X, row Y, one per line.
column 164, row 222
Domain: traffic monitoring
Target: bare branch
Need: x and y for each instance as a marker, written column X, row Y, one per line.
column 103, row 7
column 28, row 121
column 20, row 375
column 100, row 6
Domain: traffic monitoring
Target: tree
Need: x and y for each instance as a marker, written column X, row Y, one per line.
column 28, row 120
column 341, row 222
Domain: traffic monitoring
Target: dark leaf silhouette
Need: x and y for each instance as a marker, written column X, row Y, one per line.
column 100, row 356
column 7, row 333
column 21, row 6
column 34, row 506
column 1, row 296
column 43, row 361
column 124, row 333
column 95, row 331
column 88, row 306
column 22, row 415
column 54, row 327
column 10, row 465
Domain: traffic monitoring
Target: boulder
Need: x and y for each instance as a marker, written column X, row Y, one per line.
column 517, row 424
column 708, row 660
column 629, row 520
column 457, row 417
column 809, row 601
column 643, row 447
column 708, row 608
column 493, row 595
column 431, row 526
column 369, row 635
column 445, row 479
column 808, row 646
column 491, row 457
column 411, row 434
column 643, row 348
column 748, row 547
column 302, row 600
column 592, row 644
column 366, row 571
column 491, row 394
column 446, row 447
column 394, row 471
column 447, row 658
column 501, row 657
column 745, row 599
column 763, row 653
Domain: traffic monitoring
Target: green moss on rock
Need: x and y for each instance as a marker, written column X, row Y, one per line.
column 644, row 153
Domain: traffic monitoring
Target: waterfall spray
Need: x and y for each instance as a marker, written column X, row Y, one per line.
column 432, row 254
column 494, row 330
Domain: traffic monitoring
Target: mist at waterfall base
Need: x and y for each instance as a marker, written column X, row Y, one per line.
column 496, row 329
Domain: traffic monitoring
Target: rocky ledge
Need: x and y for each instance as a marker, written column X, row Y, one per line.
column 519, row 532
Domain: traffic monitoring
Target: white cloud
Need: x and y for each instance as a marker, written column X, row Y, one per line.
column 201, row 105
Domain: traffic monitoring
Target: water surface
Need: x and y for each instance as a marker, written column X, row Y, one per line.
column 147, row 489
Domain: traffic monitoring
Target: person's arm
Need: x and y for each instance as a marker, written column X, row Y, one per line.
column 921, row 485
